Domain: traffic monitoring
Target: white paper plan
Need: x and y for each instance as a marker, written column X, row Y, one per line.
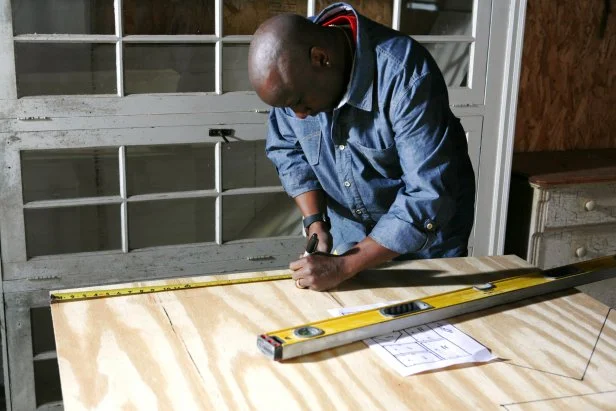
column 424, row 347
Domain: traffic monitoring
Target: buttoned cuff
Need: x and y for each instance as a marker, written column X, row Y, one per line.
column 400, row 236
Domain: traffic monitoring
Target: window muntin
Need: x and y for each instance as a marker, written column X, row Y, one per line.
column 199, row 46
column 139, row 196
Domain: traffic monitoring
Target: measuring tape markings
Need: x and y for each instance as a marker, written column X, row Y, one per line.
column 57, row 297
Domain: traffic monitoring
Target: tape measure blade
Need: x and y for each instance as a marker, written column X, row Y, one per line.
column 64, row 296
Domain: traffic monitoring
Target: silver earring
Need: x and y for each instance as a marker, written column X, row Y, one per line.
column 328, row 64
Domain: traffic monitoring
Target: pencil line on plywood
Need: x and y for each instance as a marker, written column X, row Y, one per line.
column 505, row 406
column 596, row 342
column 581, row 378
column 546, row 372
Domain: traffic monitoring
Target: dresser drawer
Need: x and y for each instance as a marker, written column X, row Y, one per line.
column 554, row 248
column 580, row 205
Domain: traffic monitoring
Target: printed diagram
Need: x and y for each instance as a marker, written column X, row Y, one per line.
column 424, row 347
column 422, row 344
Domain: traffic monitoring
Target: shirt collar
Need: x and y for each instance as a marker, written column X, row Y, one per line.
column 359, row 92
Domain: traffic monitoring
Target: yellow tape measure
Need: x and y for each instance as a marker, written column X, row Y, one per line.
column 56, row 297
column 316, row 336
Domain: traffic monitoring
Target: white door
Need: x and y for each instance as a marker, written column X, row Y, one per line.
column 473, row 127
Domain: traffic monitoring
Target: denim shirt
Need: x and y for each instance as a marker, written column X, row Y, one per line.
column 393, row 160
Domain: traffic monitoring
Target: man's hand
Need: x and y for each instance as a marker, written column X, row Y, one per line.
column 319, row 271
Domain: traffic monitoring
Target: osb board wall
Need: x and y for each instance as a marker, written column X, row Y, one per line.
column 243, row 17
column 379, row 10
column 567, row 94
column 240, row 17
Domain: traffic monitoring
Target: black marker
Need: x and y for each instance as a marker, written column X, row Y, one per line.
column 311, row 247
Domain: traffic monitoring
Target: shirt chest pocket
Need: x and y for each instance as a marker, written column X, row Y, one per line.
column 384, row 161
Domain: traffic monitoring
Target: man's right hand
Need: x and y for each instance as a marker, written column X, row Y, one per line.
column 325, row 238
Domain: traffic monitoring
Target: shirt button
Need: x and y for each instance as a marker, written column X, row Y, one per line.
column 429, row 225
column 347, row 184
column 341, row 147
column 358, row 212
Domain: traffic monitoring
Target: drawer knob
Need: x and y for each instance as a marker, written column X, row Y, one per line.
column 590, row 205
column 580, row 252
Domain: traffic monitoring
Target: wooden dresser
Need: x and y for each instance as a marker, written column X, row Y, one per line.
column 562, row 209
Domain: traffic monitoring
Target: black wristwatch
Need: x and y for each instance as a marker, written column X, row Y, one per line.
column 314, row 218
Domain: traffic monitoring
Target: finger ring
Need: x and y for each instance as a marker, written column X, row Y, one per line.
column 298, row 285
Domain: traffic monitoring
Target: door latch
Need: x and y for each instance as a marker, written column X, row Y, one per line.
column 222, row 132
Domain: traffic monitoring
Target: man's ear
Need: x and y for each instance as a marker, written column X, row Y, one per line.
column 319, row 57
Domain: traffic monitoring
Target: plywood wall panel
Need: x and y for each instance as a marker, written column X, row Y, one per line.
column 567, row 95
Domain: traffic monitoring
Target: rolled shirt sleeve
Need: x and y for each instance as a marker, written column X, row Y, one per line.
column 292, row 144
column 428, row 140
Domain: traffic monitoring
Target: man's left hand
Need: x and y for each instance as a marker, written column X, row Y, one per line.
column 319, row 271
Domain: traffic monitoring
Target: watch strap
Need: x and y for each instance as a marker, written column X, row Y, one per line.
column 314, row 218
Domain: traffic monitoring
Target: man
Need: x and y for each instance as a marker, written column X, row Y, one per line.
column 363, row 139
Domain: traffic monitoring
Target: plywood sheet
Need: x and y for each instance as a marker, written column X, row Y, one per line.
column 195, row 349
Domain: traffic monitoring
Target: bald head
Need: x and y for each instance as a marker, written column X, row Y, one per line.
column 279, row 51
column 295, row 63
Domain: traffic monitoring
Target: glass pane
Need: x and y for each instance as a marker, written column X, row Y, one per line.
column 72, row 229
column 380, row 11
column 235, row 68
column 51, row 69
column 260, row 216
column 244, row 164
column 47, row 382
column 168, row 68
column 168, row 168
column 168, row 222
column 437, row 17
column 42, row 330
column 63, row 17
column 243, row 17
column 453, row 60
column 168, row 17
column 71, row 173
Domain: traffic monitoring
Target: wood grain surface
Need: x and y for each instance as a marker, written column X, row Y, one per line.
column 196, row 349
